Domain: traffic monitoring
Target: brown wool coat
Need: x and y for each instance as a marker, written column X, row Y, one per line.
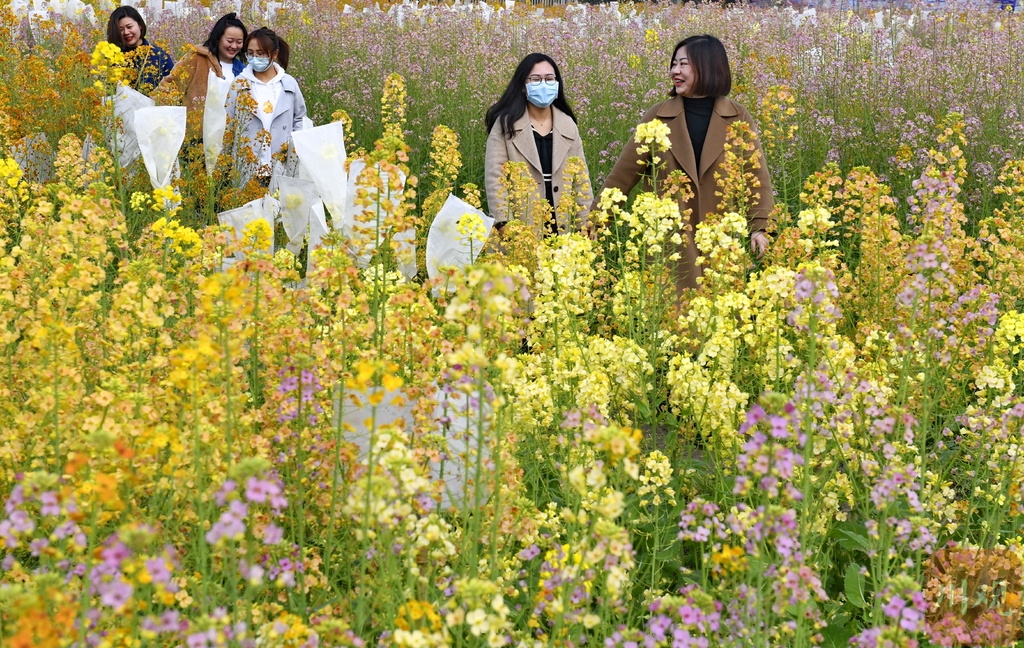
column 628, row 171
column 522, row 148
column 186, row 84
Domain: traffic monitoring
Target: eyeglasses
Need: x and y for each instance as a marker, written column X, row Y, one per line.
column 536, row 78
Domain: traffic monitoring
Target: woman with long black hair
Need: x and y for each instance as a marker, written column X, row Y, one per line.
column 533, row 123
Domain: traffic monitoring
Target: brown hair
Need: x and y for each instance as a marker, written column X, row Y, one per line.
column 113, row 33
column 710, row 65
column 271, row 43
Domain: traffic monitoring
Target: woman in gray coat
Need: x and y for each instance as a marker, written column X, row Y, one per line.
column 533, row 123
column 264, row 106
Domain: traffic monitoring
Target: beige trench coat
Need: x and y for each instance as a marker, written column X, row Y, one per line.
column 628, row 171
column 522, row 148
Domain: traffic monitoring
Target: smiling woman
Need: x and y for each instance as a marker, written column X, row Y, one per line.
column 697, row 114
column 148, row 63
column 221, row 54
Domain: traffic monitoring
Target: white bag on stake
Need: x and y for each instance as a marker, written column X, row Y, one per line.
column 321, row 151
column 161, row 132
column 238, row 218
column 360, row 222
column 462, row 440
column 405, row 251
column 445, row 249
column 296, row 197
column 34, row 155
column 121, row 135
column 317, row 231
column 215, row 117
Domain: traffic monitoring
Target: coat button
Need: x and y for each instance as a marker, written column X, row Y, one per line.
column 554, row 190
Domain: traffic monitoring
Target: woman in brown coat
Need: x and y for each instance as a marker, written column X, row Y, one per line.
column 222, row 53
column 698, row 113
column 533, row 123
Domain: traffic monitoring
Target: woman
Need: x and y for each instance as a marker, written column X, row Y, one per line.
column 533, row 123
column 698, row 113
column 264, row 106
column 147, row 64
column 220, row 54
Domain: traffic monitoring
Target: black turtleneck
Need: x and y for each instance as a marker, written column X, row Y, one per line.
column 698, row 118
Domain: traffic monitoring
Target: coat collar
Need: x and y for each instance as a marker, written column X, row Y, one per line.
column 673, row 113
column 211, row 60
column 561, row 126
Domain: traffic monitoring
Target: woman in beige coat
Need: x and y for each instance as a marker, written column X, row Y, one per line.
column 698, row 113
column 533, row 123
column 222, row 54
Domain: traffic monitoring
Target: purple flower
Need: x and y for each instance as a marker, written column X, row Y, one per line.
column 50, row 505
column 115, row 593
column 272, row 534
column 157, row 568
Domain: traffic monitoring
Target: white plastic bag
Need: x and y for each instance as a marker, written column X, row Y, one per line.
column 265, row 208
column 161, row 132
column 317, row 231
column 296, row 197
column 321, row 151
column 365, row 225
column 445, row 248
column 215, row 118
column 459, row 426
column 405, row 251
column 121, row 136
column 457, row 466
column 35, row 157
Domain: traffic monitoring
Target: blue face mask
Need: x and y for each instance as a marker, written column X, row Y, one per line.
column 259, row 63
column 542, row 94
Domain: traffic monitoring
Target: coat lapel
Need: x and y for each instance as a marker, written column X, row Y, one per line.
column 211, row 60
column 714, row 142
column 286, row 100
column 523, row 141
column 682, row 150
column 562, row 126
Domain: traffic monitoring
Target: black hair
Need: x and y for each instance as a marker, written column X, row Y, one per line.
column 114, row 34
column 512, row 104
column 710, row 62
column 227, row 20
column 270, row 43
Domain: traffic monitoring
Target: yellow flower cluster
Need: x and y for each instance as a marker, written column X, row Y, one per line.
column 655, row 477
column 287, row 630
column 107, row 63
column 183, row 240
column 563, row 286
column 721, row 241
column 575, row 197
column 774, row 116
column 392, row 106
column 653, row 138
column 257, row 236
column 479, row 608
column 14, row 192
column 167, row 201
column 654, row 223
column 471, row 228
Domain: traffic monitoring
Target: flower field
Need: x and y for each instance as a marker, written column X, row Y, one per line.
column 205, row 442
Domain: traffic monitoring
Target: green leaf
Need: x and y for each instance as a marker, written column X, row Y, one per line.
column 838, row 632
column 852, row 537
column 854, row 585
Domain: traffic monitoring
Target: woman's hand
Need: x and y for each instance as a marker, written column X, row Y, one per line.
column 759, row 243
